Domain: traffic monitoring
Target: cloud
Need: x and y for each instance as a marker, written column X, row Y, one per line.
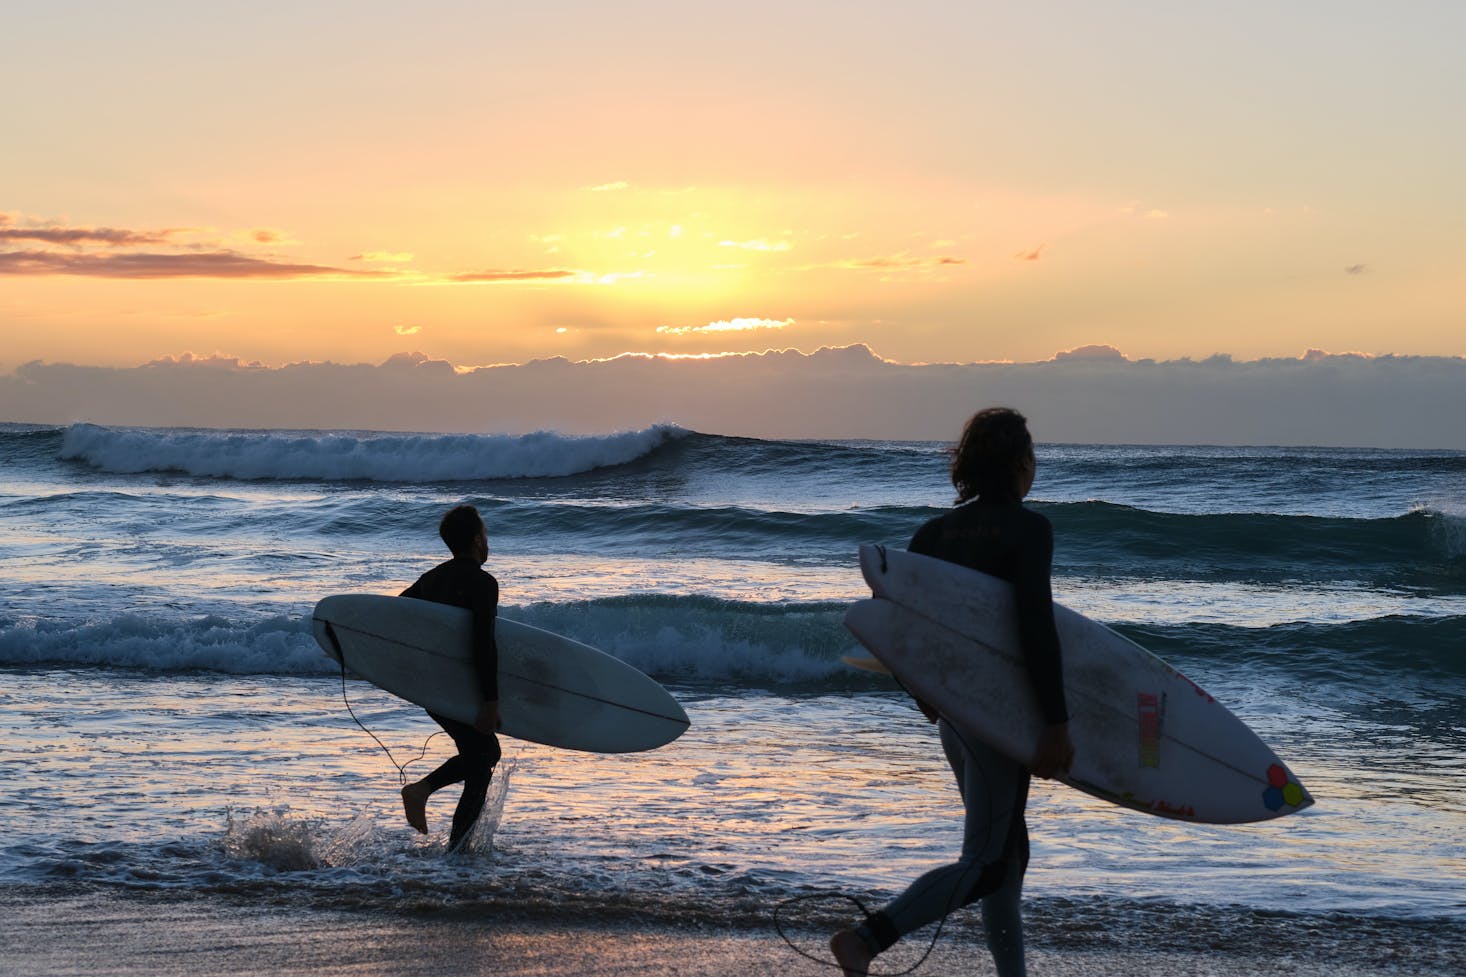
column 1316, row 355
column 914, row 265
column 1133, row 209
column 512, row 275
column 1356, row 269
column 1385, row 401
column 610, row 187
column 386, row 257
column 111, row 236
column 407, row 330
column 1030, row 255
column 214, row 361
column 756, row 245
column 216, row 264
column 728, row 325
column 1092, row 353
column 107, row 252
column 901, row 261
column 99, row 253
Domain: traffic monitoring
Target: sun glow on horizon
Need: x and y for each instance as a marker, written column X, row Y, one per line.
column 635, row 184
column 727, row 325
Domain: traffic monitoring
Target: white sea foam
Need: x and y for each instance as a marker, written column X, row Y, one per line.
column 1448, row 528
column 673, row 640
column 370, row 457
column 277, row 645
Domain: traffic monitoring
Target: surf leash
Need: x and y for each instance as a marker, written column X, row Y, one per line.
column 779, row 926
column 401, row 767
column 833, row 894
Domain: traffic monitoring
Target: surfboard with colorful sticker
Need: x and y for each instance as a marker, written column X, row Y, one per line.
column 1145, row 736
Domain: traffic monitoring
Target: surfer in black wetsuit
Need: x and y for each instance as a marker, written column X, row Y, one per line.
column 989, row 530
column 463, row 582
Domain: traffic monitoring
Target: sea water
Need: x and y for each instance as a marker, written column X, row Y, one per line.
column 167, row 723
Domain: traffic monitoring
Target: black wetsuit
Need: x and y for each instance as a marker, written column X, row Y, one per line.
column 464, row 583
column 1005, row 540
column 1015, row 544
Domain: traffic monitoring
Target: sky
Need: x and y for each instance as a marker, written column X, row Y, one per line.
column 485, row 184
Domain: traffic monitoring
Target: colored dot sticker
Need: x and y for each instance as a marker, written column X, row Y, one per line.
column 1282, row 789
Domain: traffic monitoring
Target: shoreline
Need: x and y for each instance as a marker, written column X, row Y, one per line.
column 166, row 935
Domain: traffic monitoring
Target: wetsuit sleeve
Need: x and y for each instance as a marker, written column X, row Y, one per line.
column 1037, row 634
column 416, row 590
column 485, row 649
column 925, row 540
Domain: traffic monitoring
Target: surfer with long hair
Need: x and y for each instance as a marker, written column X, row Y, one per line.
column 989, row 529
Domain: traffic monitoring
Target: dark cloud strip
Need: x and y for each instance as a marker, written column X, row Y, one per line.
column 217, row 264
column 902, row 261
column 512, row 276
column 1094, row 395
column 84, row 235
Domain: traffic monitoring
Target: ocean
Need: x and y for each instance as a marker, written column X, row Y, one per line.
column 168, row 726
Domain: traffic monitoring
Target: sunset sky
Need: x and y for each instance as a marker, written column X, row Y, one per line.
column 944, row 182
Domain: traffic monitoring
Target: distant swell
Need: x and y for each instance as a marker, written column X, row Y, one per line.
column 672, row 638
column 374, row 457
column 1424, row 542
column 1363, row 652
column 704, row 639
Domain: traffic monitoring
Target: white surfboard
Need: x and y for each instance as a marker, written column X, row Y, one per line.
column 1145, row 736
column 552, row 690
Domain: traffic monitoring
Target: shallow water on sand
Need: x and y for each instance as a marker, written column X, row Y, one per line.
column 264, row 784
column 169, row 730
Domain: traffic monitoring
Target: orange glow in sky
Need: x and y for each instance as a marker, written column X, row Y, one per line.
column 346, row 182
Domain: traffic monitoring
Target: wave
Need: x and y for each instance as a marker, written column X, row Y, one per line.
column 674, row 638
column 1424, row 547
column 740, row 644
column 275, row 859
column 272, row 646
column 1424, row 543
column 356, row 457
column 1421, row 549
column 1357, row 652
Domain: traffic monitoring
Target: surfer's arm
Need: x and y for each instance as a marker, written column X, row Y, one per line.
column 1037, row 635
column 486, row 649
column 1054, row 753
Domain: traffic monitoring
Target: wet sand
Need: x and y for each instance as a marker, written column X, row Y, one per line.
column 90, row 935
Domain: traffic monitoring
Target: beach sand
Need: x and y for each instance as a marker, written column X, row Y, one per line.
column 97, row 934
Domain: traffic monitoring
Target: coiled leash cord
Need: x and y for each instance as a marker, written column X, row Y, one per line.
column 401, row 767
column 832, row 894
column 779, row 926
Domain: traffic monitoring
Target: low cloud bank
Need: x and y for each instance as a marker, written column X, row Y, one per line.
column 1093, row 395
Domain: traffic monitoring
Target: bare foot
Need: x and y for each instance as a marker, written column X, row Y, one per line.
column 851, row 953
column 415, row 806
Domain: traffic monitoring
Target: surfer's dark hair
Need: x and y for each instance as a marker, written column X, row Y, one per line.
column 460, row 527
column 986, row 462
